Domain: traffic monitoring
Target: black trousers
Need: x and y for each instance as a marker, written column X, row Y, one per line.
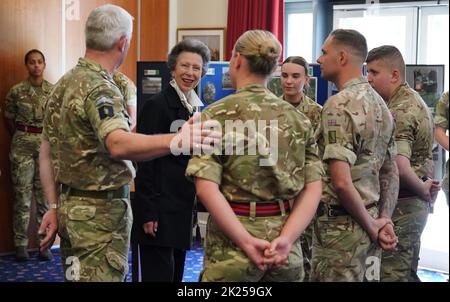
column 161, row 264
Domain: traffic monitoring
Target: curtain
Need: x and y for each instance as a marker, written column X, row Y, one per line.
column 244, row 15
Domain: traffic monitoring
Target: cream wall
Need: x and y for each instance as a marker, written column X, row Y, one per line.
column 196, row 14
column 202, row 13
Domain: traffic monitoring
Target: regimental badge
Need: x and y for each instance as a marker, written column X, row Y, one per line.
column 105, row 108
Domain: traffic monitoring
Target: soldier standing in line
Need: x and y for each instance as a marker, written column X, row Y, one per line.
column 440, row 133
column 361, row 182
column 252, row 233
column 129, row 92
column 24, row 114
column 87, row 136
column 294, row 81
column 414, row 139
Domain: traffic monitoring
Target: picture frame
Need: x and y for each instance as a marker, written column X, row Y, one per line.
column 214, row 38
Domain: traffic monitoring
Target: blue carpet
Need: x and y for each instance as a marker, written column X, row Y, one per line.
column 51, row 271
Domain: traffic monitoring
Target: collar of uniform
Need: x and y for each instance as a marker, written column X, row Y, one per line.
column 398, row 90
column 355, row 81
column 302, row 100
column 45, row 86
column 92, row 65
column 252, row 87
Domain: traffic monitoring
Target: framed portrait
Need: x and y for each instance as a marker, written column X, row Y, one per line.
column 214, row 38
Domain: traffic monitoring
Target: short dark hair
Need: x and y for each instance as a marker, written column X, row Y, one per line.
column 391, row 55
column 352, row 39
column 189, row 45
column 33, row 51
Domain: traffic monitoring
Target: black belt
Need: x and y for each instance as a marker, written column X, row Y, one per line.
column 335, row 210
column 122, row 192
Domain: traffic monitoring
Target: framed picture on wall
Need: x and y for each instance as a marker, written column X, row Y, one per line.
column 214, row 38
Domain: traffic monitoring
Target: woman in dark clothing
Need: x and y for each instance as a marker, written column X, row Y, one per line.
column 164, row 197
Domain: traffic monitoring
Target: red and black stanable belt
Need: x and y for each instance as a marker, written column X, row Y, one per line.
column 28, row 129
column 261, row 209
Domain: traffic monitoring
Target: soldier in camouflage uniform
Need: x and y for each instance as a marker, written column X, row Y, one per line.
column 440, row 133
column 128, row 90
column 24, row 114
column 414, row 139
column 359, row 160
column 250, row 234
column 87, row 135
column 294, row 81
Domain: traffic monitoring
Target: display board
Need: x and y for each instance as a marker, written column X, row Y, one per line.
column 216, row 84
column 152, row 78
column 428, row 81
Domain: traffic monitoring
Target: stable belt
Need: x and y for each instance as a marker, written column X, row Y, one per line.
column 28, row 129
column 260, row 209
column 122, row 192
column 335, row 210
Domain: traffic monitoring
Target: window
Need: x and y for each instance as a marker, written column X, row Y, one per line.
column 390, row 26
column 412, row 29
column 299, row 29
column 433, row 44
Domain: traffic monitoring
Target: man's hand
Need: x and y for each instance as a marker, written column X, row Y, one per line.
column 150, row 228
column 256, row 252
column 376, row 226
column 434, row 190
column 197, row 135
column 279, row 251
column 49, row 224
column 387, row 238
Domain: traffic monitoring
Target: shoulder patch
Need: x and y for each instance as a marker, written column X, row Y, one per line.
column 105, row 111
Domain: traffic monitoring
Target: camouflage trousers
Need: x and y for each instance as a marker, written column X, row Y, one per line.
column 445, row 181
column 306, row 244
column 342, row 251
column 95, row 238
column 24, row 158
column 410, row 217
column 225, row 262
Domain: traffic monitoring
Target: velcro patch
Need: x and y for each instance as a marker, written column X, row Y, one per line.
column 332, row 137
column 105, row 111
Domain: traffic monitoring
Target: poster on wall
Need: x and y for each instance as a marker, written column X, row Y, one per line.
column 216, row 84
column 428, row 81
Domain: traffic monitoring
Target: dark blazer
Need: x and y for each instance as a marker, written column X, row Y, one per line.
column 162, row 191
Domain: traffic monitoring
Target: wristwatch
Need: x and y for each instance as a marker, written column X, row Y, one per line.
column 53, row 206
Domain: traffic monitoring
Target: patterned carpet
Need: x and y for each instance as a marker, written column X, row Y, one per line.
column 37, row 271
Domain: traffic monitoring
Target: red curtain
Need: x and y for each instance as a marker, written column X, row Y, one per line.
column 254, row 14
